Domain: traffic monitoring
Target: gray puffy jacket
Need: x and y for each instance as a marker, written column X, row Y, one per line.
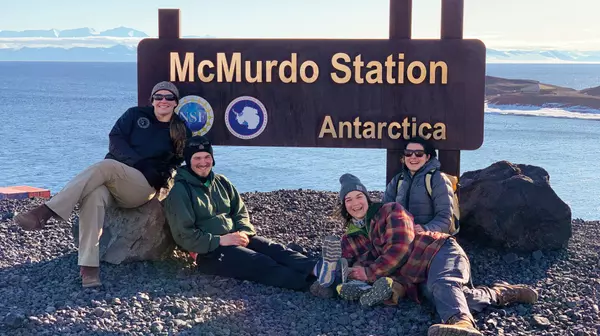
column 433, row 213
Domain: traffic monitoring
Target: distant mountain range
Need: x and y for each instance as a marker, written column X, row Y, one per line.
column 69, row 33
column 120, row 44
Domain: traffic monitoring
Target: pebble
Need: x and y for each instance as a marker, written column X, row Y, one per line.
column 541, row 321
column 171, row 297
column 510, row 258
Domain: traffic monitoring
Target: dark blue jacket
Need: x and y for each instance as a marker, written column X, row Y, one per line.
column 143, row 142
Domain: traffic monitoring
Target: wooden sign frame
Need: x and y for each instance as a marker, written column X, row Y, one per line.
column 467, row 127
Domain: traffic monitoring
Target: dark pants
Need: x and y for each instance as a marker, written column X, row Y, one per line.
column 262, row 261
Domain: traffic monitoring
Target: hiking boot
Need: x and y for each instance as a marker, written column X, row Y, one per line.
column 90, row 276
column 398, row 292
column 353, row 289
column 381, row 291
column 34, row 219
column 321, row 291
column 507, row 293
column 330, row 254
column 456, row 326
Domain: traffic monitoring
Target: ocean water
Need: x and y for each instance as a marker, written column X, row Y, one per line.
column 56, row 118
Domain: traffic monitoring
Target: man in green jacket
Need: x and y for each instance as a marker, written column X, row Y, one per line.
column 209, row 219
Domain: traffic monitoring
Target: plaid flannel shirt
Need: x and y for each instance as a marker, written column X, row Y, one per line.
column 388, row 247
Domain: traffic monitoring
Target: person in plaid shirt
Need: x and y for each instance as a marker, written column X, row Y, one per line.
column 381, row 242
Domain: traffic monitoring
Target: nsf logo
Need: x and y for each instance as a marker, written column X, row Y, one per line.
column 246, row 117
column 197, row 114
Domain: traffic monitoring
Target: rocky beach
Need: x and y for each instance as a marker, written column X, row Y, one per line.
column 41, row 294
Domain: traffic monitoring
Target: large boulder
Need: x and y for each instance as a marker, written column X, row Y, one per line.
column 136, row 234
column 513, row 206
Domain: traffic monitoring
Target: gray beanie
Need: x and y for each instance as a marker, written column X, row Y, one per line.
column 165, row 86
column 350, row 183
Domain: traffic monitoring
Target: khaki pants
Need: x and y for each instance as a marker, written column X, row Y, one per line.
column 106, row 183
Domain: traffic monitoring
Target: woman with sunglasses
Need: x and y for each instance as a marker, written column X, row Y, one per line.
column 145, row 146
column 431, row 213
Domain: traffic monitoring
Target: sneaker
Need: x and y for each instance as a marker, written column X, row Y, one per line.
column 34, row 219
column 90, row 276
column 331, row 253
column 318, row 290
column 381, row 291
column 353, row 289
column 456, row 326
column 507, row 293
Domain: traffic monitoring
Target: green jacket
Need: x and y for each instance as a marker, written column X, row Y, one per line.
column 200, row 217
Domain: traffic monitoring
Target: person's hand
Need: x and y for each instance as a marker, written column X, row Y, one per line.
column 234, row 239
column 358, row 273
column 244, row 236
column 419, row 229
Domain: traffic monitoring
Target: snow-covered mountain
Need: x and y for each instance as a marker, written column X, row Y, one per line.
column 542, row 56
column 119, row 45
column 78, row 32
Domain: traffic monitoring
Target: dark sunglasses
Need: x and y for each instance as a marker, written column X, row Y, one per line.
column 169, row 97
column 418, row 153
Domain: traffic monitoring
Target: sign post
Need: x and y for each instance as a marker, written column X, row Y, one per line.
column 400, row 28
column 348, row 93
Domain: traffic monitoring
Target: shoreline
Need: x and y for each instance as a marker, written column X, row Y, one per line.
column 501, row 91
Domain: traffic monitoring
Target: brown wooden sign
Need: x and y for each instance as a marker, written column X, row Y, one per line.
column 327, row 93
column 367, row 93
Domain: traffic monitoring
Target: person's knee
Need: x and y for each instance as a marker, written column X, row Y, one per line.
column 259, row 239
column 105, row 165
column 99, row 197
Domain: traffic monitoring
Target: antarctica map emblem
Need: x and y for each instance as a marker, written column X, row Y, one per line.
column 197, row 114
column 246, row 117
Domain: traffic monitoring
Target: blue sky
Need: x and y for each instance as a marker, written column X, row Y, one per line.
column 499, row 23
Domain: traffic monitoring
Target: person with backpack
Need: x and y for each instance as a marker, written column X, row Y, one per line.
column 424, row 190
column 380, row 242
column 209, row 219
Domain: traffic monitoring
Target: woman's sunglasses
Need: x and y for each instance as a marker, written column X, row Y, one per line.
column 418, row 153
column 169, row 97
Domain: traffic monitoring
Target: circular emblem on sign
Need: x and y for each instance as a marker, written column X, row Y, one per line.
column 246, row 117
column 143, row 122
column 197, row 114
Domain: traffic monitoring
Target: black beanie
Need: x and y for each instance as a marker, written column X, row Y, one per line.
column 350, row 183
column 195, row 145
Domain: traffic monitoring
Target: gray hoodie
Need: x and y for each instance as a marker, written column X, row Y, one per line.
column 433, row 213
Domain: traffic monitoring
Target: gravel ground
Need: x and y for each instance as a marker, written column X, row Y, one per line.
column 41, row 294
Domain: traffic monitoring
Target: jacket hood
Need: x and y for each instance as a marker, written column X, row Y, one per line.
column 184, row 174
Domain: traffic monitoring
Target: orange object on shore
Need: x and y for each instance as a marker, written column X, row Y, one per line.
column 23, row 192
